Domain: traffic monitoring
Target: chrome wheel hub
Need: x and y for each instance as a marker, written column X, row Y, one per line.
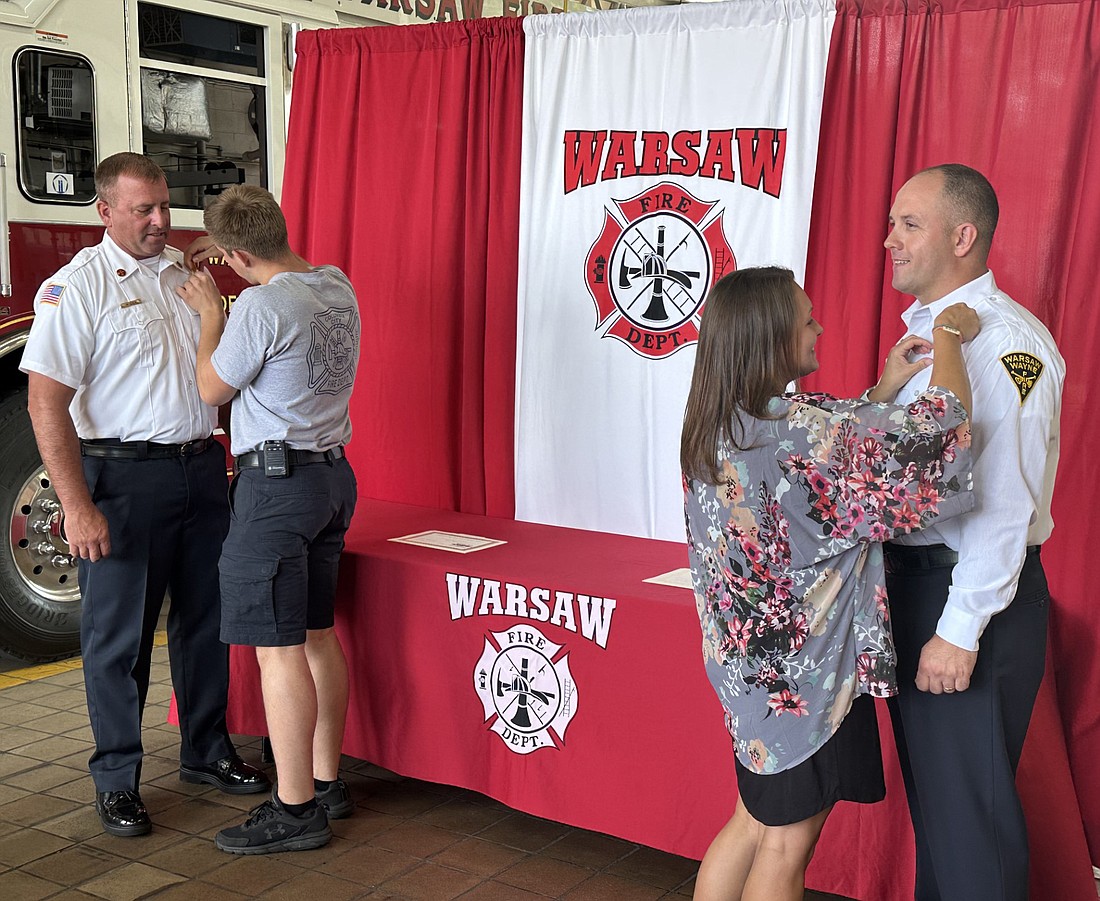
column 38, row 544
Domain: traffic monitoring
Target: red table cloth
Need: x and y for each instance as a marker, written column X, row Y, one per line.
column 544, row 672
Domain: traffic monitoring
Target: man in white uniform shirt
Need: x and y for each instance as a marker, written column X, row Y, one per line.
column 127, row 443
column 969, row 598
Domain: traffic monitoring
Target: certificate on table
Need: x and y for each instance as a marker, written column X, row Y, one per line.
column 677, row 578
column 455, row 542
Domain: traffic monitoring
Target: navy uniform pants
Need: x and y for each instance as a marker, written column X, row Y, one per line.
column 167, row 521
column 959, row 751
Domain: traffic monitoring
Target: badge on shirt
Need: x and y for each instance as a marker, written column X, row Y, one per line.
column 51, row 294
column 1024, row 369
column 129, row 303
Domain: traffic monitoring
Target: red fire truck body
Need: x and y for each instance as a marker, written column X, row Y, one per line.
column 201, row 86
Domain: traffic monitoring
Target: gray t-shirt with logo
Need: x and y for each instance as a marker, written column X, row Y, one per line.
column 291, row 348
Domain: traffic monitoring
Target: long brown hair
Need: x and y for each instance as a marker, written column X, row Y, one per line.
column 744, row 358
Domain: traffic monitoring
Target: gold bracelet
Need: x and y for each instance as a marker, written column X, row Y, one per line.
column 948, row 328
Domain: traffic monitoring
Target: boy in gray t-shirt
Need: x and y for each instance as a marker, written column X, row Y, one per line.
column 287, row 359
column 291, row 347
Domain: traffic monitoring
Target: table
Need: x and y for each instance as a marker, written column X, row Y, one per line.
column 544, row 672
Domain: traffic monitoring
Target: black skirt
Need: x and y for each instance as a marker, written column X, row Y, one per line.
column 848, row 767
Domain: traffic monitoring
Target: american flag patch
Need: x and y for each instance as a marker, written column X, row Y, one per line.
column 51, row 294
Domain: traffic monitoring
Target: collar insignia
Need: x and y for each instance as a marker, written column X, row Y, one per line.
column 1024, row 370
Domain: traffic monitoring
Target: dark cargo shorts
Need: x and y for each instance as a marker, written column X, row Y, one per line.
column 280, row 560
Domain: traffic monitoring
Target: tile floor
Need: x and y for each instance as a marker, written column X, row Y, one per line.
column 407, row 839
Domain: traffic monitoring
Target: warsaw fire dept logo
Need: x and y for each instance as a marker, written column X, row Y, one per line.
column 334, row 337
column 530, row 696
column 651, row 267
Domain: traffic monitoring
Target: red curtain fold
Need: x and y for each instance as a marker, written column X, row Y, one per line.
column 403, row 164
column 1009, row 88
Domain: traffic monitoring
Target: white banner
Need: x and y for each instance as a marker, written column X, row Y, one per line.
column 662, row 148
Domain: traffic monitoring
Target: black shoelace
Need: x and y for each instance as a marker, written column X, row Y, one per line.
column 261, row 814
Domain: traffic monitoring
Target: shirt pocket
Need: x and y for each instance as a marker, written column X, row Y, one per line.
column 139, row 329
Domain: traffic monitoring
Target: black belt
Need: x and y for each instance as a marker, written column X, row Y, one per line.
column 930, row 556
column 255, row 459
column 112, row 449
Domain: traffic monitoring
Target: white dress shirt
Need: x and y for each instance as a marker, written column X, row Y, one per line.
column 1015, row 447
column 116, row 331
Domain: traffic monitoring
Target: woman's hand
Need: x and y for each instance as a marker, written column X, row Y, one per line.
column 962, row 317
column 898, row 368
column 949, row 370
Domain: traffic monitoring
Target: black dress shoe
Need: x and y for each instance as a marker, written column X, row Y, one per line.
column 230, row 774
column 122, row 813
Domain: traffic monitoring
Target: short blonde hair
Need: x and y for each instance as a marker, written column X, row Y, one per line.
column 246, row 217
column 108, row 172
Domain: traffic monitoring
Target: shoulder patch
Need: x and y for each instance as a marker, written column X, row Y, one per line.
column 1024, row 369
column 51, row 294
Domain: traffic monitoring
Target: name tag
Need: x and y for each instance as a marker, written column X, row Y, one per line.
column 129, row 303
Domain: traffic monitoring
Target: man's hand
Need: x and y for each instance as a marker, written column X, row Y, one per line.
column 201, row 294
column 85, row 527
column 898, row 368
column 944, row 667
column 201, row 251
column 87, row 532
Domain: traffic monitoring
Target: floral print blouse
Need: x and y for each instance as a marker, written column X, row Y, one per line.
column 787, row 564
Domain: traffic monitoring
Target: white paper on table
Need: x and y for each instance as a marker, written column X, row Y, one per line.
column 455, row 542
column 677, row 578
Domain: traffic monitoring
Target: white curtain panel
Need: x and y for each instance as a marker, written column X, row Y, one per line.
column 662, row 147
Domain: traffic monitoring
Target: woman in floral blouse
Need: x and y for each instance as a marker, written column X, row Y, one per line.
column 788, row 498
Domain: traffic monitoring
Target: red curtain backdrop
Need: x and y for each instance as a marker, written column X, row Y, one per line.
column 399, row 140
column 1008, row 87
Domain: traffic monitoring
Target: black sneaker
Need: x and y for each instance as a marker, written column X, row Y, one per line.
column 336, row 799
column 270, row 827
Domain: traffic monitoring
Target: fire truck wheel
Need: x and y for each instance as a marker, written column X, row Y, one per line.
column 39, row 594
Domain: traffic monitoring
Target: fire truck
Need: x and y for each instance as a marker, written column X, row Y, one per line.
column 202, row 87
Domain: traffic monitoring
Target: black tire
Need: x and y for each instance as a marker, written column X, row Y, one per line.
column 39, row 595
